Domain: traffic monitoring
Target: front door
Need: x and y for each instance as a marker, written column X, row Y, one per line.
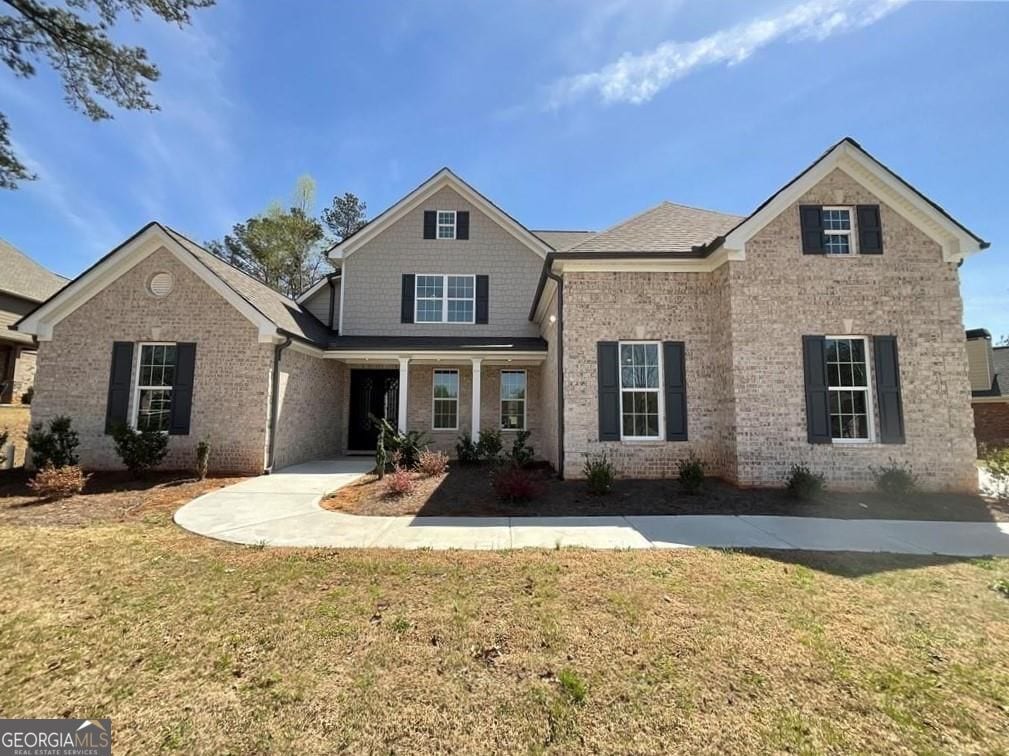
column 372, row 393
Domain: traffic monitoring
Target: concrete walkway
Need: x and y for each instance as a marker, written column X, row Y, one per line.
column 283, row 510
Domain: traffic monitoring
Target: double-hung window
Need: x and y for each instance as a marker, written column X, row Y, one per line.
column 445, row 299
column 446, row 224
column 513, row 399
column 640, row 391
column 838, row 235
column 848, row 387
column 445, row 406
column 155, row 378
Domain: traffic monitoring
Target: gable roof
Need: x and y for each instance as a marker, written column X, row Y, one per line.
column 25, row 278
column 443, row 178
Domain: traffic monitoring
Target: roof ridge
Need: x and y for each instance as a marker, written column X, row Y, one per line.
column 703, row 209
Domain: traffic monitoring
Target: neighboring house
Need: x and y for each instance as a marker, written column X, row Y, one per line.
column 824, row 329
column 989, row 384
column 23, row 284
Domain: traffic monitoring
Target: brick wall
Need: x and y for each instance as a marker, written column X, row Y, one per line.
column 230, row 395
column 310, row 421
column 991, row 422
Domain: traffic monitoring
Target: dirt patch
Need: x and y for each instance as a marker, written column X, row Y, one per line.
column 108, row 497
column 467, row 492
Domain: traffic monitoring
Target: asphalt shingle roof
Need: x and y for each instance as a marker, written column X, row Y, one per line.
column 564, row 240
column 25, row 278
column 1000, row 366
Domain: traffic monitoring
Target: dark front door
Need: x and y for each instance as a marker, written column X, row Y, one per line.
column 372, row 392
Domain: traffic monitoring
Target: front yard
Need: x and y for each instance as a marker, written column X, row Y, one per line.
column 192, row 645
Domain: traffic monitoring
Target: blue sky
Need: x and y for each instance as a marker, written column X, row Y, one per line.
column 567, row 113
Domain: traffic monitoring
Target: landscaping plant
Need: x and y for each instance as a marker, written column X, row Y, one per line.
column 515, row 484
column 521, row 454
column 432, row 463
column 202, row 459
column 489, row 446
column 895, row 479
column 408, row 444
column 3, row 446
column 691, row 474
column 399, row 482
column 139, row 450
column 466, row 451
column 599, row 473
column 996, row 461
column 54, row 447
column 51, row 483
column 26, row 397
column 804, row 484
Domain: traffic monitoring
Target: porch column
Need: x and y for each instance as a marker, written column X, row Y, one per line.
column 475, row 402
column 404, row 372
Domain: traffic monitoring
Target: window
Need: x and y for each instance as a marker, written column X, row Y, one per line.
column 848, row 386
column 513, row 400
column 837, row 231
column 445, row 299
column 640, row 395
column 155, row 378
column 446, row 224
column 446, row 400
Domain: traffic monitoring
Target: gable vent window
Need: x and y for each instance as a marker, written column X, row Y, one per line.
column 446, row 224
column 837, row 231
column 161, row 284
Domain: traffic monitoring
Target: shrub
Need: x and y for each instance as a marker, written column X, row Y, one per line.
column 895, row 479
column 202, row 459
column 3, row 446
column 691, row 474
column 432, row 463
column 996, row 461
column 804, row 484
column 54, row 447
column 27, row 396
column 515, row 484
column 399, row 482
column 140, row 451
column 489, row 446
column 408, row 444
column 1001, row 586
column 599, row 473
column 381, row 456
column 58, row 482
column 521, row 454
column 466, row 451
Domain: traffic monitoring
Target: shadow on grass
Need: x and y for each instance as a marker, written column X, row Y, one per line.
column 855, row 564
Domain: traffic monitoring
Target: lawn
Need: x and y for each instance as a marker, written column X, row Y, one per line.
column 192, row 645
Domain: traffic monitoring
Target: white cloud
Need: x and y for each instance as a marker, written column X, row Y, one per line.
column 638, row 78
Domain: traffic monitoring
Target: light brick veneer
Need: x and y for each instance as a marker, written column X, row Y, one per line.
column 310, row 423
column 232, row 370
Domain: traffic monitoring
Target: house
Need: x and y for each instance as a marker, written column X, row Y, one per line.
column 988, row 368
column 23, row 285
column 824, row 328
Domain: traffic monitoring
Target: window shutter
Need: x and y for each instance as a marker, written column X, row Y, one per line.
column 406, row 301
column 814, row 355
column 891, row 411
column 870, row 230
column 609, row 390
column 182, row 389
column 482, row 298
column 430, row 221
column 675, row 378
column 119, row 385
column 462, row 224
column 811, row 224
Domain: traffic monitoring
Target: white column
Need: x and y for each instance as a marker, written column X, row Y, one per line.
column 404, row 372
column 475, row 403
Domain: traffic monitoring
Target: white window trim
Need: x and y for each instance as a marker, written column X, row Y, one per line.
column 458, row 391
column 660, row 390
column 444, row 298
column 525, row 400
column 438, row 225
column 135, row 419
column 850, row 233
column 870, row 413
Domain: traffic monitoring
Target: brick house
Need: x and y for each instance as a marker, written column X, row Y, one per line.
column 823, row 328
column 988, row 369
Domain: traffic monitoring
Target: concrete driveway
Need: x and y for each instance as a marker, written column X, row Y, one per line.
column 283, row 510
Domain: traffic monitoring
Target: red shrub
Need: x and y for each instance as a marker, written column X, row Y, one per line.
column 58, row 482
column 399, row 482
column 431, row 463
column 516, row 484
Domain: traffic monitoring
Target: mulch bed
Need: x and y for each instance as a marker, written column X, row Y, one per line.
column 467, row 491
column 107, row 497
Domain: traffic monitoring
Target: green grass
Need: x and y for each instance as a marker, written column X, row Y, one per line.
column 192, row 646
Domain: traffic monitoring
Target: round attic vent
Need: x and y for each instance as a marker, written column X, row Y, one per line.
column 161, row 284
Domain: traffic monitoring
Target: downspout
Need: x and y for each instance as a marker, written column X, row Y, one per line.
column 274, row 403
column 560, row 368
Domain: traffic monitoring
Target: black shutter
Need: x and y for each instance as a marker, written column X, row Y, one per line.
column 870, row 231
column 811, row 223
column 482, row 298
column 462, row 224
column 814, row 358
column 675, row 377
column 430, row 222
column 891, row 411
column 406, row 300
column 609, row 390
column 182, row 389
column 119, row 385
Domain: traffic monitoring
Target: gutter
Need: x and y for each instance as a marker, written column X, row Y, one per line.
column 278, row 350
